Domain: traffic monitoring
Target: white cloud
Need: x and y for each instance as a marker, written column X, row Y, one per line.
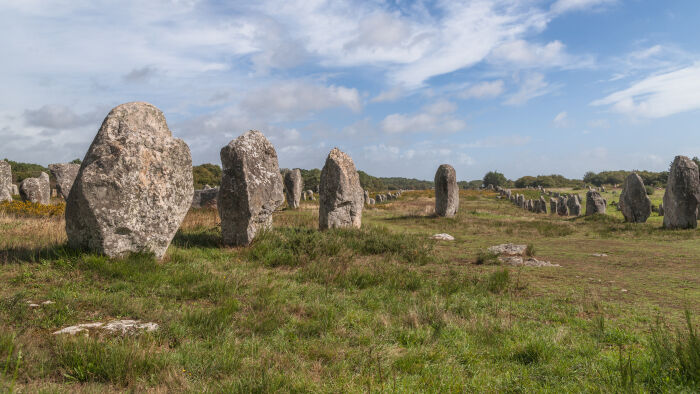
column 435, row 118
column 499, row 142
column 388, row 95
column 561, row 6
column 297, row 99
column 486, row 89
column 525, row 54
column 561, row 120
column 531, row 86
column 658, row 96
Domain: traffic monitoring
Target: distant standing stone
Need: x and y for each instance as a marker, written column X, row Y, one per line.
column 682, row 194
column 341, row 196
column 553, row 206
column 293, row 184
column 65, row 174
column 661, row 209
column 366, row 196
column 446, row 191
column 5, row 181
column 543, row 205
column 251, row 188
column 594, row 203
column 562, row 207
column 634, row 202
column 134, row 186
column 36, row 190
column 205, row 198
column 574, row 204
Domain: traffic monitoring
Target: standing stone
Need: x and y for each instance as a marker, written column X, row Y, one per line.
column 543, row 205
column 366, row 197
column 446, row 191
column 562, row 207
column 529, row 206
column 134, row 186
column 341, row 196
column 574, row 205
column 36, row 190
column 65, row 174
column 553, row 206
column 634, row 202
column 310, row 195
column 251, row 188
column 661, row 209
column 370, row 201
column 594, row 203
column 682, row 194
column 205, row 198
column 5, row 181
column 15, row 190
column 520, row 200
column 293, row 184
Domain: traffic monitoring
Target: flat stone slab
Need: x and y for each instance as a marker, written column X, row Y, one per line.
column 115, row 326
column 443, row 237
column 508, row 250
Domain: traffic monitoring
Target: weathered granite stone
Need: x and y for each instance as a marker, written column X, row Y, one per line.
column 553, row 206
column 134, row 186
column 682, row 194
column 634, row 202
column 574, row 205
column 446, row 191
column 543, row 205
column 366, row 196
column 661, row 209
column 65, row 174
column 36, row 190
column 293, row 184
column 594, row 203
column 251, row 188
column 562, row 207
column 205, row 198
column 5, row 181
column 370, row 201
column 15, row 190
column 341, row 196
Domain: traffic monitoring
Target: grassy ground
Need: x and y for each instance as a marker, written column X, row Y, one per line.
column 382, row 309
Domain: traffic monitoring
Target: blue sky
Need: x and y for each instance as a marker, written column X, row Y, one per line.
column 523, row 87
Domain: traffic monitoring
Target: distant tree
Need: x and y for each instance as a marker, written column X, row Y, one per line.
column 77, row 161
column 312, row 178
column 206, row 174
column 525, row 181
column 494, row 178
column 696, row 160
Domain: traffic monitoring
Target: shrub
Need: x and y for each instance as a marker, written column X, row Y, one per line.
column 649, row 189
column 30, row 209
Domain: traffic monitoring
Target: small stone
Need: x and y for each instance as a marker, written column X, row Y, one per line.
column 443, row 237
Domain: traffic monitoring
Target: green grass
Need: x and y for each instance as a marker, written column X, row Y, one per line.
column 380, row 309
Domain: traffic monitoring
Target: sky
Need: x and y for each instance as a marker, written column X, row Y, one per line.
column 523, row 87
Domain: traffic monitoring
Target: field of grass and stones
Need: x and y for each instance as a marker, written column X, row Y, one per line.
column 384, row 308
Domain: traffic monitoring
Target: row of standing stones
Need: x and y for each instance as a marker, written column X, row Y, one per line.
column 134, row 188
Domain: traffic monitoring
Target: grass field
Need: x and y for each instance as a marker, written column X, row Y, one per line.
column 381, row 309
